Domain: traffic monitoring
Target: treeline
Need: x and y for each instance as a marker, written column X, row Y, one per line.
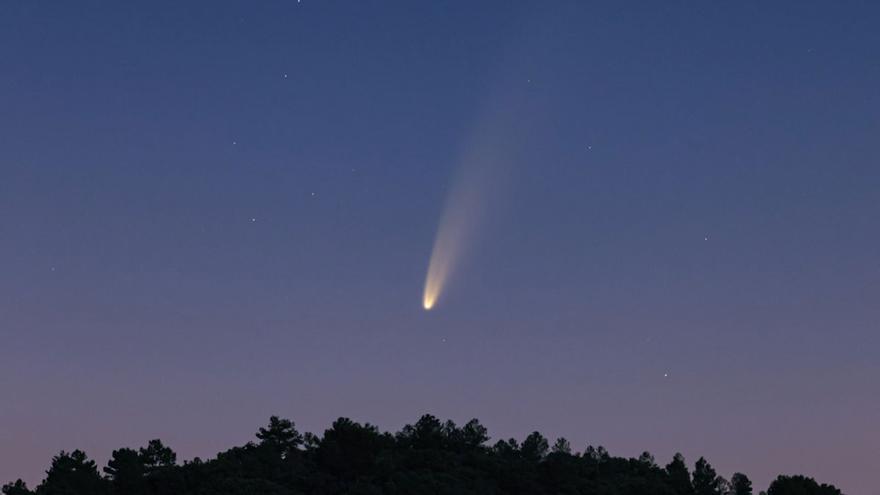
column 428, row 457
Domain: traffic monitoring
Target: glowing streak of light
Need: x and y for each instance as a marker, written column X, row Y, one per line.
column 464, row 209
column 503, row 128
column 455, row 226
column 482, row 173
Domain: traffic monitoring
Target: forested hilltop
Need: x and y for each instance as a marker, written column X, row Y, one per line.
column 429, row 457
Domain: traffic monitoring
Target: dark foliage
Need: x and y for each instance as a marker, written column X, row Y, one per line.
column 800, row 485
column 740, row 484
column 17, row 488
column 706, row 480
column 428, row 457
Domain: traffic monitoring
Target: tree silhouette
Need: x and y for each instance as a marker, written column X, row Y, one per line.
column 740, row 484
column 596, row 454
column 534, row 447
column 800, row 485
column 427, row 457
column 156, row 456
column 280, row 435
column 126, row 471
column 679, row 477
column 427, row 433
column 349, row 449
column 474, row 434
column 506, row 449
column 706, row 481
column 19, row 487
column 562, row 446
column 72, row 474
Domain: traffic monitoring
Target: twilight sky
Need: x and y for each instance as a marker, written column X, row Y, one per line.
column 217, row 211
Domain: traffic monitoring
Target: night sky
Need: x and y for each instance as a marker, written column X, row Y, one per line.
column 217, row 211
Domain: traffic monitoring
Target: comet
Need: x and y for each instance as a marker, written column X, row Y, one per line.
column 460, row 217
column 483, row 172
column 457, row 224
column 480, row 175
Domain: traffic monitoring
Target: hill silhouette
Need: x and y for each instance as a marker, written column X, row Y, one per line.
column 428, row 457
